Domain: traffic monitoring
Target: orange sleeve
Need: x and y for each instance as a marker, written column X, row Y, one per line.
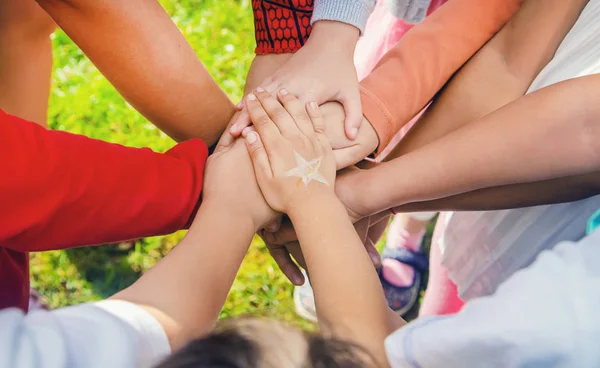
column 412, row 72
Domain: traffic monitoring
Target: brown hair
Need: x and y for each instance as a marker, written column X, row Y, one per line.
column 259, row 343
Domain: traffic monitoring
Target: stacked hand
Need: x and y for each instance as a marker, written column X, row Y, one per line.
column 292, row 157
column 293, row 161
column 322, row 70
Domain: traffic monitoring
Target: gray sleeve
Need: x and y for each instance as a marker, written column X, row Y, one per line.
column 354, row 12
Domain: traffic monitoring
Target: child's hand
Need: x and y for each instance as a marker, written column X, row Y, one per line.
column 323, row 70
column 292, row 157
column 230, row 185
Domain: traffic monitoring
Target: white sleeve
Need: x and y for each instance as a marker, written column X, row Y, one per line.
column 106, row 334
column 543, row 316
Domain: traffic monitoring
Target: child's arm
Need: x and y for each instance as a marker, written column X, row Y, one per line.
column 178, row 299
column 61, row 190
column 322, row 68
column 410, row 74
column 349, row 299
column 187, row 289
column 499, row 73
column 137, row 47
column 559, row 190
column 514, row 144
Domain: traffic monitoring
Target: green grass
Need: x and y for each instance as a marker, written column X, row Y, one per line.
column 82, row 101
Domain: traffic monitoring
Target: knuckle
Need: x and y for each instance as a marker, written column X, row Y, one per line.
column 256, row 151
column 262, row 121
column 278, row 112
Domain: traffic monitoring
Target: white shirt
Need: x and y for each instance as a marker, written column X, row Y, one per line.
column 110, row 333
column 543, row 316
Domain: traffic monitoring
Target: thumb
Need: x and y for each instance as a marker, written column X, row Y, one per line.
column 348, row 156
column 373, row 253
column 241, row 121
column 354, row 117
column 260, row 161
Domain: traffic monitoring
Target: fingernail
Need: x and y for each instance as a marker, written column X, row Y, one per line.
column 251, row 96
column 251, row 137
column 354, row 132
column 375, row 259
column 260, row 89
column 240, row 105
column 283, row 92
column 233, row 129
column 313, row 105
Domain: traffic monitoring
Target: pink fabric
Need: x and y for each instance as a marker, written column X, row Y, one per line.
column 382, row 32
column 441, row 295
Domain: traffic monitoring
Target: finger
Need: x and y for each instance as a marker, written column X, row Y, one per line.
column 270, row 84
column 362, row 229
column 348, row 156
column 353, row 109
column 373, row 253
column 376, row 229
column 227, row 139
column 268, row 131
column 273, row 226
column 285, row 263
column 295, row 250
column 278, row 114
column 314, row 112
column 297, row 111
column 260, row 160
column 284, row 235
column 242, row 121
column 240, row 105
column 381, row 216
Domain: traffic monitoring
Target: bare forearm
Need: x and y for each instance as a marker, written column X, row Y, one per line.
column 560, row 190
column 324, row 232
column 188, row 287
column 515, row 144
column 139, row 49
column 499, row 73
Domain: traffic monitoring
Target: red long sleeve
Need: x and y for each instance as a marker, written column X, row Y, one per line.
column 60, row 190
column 281, row 26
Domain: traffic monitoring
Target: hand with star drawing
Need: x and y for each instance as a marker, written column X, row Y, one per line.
column 292, row 156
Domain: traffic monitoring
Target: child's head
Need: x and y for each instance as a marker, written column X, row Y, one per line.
column 261, row 343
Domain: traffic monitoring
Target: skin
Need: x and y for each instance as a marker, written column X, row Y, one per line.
column 184, row 291
column 527, row 127
column 142, row 53
column 26, row 54
column 322, row 70
column 324, row 231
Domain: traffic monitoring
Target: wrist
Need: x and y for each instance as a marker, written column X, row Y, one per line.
column 245, row 219
column 335, row 35
column 379, row 194
column 311, row 202
column 366, row 193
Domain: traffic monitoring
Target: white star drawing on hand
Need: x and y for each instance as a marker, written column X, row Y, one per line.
column 307, row 170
